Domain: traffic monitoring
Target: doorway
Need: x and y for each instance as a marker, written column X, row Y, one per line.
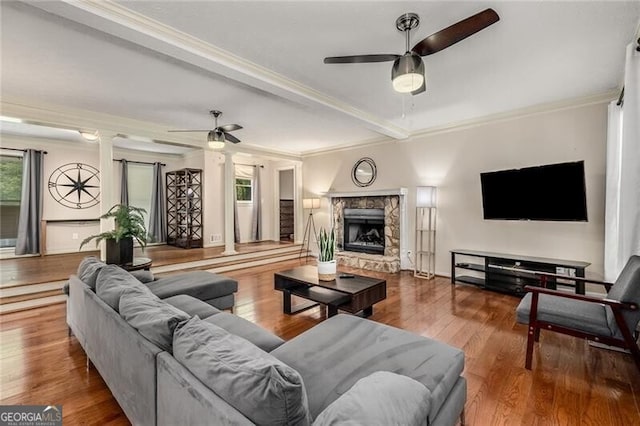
column 286, row 197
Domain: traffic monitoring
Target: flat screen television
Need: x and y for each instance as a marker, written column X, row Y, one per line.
column 554, row 192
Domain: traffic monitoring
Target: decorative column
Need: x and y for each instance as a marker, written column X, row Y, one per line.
column 105, row 139
column 229, row 197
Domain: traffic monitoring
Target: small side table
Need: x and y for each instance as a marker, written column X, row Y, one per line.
column 138, row 264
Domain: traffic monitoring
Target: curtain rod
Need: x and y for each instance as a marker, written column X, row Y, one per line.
column 138, row 162
column 621, row 97
column 23, row 150
column 250, row 165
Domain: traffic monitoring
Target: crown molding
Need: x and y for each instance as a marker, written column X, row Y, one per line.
column 519, row 113
column 477, row 122
column 119, row 21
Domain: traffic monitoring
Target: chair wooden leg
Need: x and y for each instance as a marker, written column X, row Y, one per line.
column 531, row 337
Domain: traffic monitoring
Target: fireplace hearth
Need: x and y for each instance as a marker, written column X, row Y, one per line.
column 364, row 230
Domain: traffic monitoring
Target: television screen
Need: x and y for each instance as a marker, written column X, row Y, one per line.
column 550, row 192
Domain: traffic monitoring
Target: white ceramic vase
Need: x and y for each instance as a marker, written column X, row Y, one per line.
column 327, row 270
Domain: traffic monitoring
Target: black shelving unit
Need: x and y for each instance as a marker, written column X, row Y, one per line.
column 286, row 220
column 511, row 273
column 184, row 208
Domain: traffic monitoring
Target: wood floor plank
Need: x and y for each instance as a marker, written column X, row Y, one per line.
column 571, row 383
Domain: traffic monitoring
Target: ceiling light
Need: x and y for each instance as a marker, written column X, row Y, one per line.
column 89, row 136
column 215, row 140
column 407, row 74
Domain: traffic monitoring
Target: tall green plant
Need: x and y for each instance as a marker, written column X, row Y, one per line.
column 327, row 245
column 129, row 222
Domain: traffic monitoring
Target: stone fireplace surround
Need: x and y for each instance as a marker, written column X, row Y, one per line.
column 394, row 204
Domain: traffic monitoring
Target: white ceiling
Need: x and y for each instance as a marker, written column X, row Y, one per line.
column 278, row 89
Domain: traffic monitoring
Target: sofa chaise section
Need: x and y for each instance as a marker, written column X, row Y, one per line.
column 332, row 356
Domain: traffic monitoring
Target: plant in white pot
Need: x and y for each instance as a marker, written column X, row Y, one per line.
column 326, row 261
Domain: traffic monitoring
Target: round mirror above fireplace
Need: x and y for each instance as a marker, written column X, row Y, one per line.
column 364, row 172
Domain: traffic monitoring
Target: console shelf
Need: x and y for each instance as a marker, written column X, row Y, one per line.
column 511, row 273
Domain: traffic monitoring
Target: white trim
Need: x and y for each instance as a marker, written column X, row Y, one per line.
column 368, row 193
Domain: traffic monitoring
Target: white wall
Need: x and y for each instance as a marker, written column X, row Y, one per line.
column 453, row 161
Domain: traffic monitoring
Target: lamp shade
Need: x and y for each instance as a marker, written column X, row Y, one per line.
column 426, row 196
column 311, row 203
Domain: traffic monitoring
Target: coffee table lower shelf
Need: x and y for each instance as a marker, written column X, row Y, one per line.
column 314, row 296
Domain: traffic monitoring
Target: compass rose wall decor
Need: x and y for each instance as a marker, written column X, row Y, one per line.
column 75, row 185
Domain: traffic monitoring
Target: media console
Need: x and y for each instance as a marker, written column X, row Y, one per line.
column 511, row 273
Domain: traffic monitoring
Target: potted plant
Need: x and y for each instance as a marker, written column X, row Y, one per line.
column 129, row 224
column 326, row 261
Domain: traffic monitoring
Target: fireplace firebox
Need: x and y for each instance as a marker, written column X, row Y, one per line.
column 364, row 230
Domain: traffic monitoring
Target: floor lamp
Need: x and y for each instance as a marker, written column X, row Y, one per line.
column 309, row 204
column 425, row 262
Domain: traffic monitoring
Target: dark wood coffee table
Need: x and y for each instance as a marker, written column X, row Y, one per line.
column 357, row 294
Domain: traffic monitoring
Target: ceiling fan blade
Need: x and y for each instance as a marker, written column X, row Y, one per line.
column 182, row 131
column 359, row 59
column 230, row 138
column 229, row 127
column 421, row 88
column 456, row 32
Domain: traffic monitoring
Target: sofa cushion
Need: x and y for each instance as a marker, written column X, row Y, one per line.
column 112, row 281
column 575, row 314
column 626, row 289
column 381, row 398
column 153, row 318
column 332, row 356
column 246, row 329
column 88, row 270
column 192, row 306
column 262, row 388
column 202, row 285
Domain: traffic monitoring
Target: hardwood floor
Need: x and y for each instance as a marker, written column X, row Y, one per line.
column 571, row 383
column 32, row 270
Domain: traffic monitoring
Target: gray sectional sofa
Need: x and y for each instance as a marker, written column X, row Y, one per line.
column 178, row 360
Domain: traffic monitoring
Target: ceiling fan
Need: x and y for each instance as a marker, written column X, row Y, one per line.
column 407, row 73
column 220, row 134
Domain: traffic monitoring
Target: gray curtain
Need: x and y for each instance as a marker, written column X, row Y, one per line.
column 256, row 219
column 157, row 214
column 236, row 225
column 124, row 183
column 28, row 241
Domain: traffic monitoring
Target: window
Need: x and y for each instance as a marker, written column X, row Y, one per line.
column 10, row 194
column 140, row 187
column 244, row 190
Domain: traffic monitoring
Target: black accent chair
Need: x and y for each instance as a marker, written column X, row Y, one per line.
column 611, row 321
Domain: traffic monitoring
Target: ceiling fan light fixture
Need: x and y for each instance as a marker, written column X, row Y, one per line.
column 215, row 140
column 407, row 74
column 89, row 136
